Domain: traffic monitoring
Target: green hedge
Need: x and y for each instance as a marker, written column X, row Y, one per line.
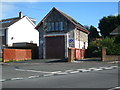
column 112, row 46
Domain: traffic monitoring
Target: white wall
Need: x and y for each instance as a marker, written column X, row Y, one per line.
column 81, row 39
column 80, row 44
column 23, row 31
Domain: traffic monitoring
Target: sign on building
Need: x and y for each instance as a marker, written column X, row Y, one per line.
column 71, row 42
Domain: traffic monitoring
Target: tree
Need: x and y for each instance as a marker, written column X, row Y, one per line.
column 111, row 47
column 117, row 39
column 86, row 26
column 95, row 47
column 93, row 33
column 108, row 24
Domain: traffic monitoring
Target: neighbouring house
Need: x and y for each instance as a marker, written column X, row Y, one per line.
column 17, row 30
column 58, row 32
column 116, row 31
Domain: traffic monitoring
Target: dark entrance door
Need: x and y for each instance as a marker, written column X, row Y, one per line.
column 55, row 47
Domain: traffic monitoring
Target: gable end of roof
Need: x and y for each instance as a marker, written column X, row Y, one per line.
column 74, row 22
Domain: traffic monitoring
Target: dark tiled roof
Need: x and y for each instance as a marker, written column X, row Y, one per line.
column 116, row 30
column 7, row 22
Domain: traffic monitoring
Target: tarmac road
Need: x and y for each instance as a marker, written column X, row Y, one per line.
column 96, row 79
column 35, row 74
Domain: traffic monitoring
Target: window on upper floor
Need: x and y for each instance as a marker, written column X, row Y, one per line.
column 55, row 26
column 61, row 26
column 49, row 26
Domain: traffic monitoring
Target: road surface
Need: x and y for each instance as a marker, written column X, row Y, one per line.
column 60, row 75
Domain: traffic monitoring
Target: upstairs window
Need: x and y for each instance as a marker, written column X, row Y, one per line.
column 49, row 26
column 60, row 26
column 55, row 26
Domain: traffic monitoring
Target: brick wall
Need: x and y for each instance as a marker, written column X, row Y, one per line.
column 75, row 54
column 109, row 57
column 16, row 54
column 79, row 54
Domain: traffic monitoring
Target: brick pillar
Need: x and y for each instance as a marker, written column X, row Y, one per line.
column 103, row 54
column 71, row 54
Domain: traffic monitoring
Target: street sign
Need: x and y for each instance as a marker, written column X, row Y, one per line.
column 71, row 40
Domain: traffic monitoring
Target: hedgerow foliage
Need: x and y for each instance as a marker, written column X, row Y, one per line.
column 112, row 46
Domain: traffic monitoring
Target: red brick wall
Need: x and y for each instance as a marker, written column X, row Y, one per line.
column 109, row 57
column 16, row 54
column 77, row 55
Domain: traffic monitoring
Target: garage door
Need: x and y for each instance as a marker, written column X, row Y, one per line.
column 55, row 47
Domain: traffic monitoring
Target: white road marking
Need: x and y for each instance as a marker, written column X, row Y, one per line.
column 2, row 80
column 102, row 67
column 68, row 70
column 16, row 78
column 33, row 76
column 74, row 72
column 114, row 66
column 107, row 68
column 86, row 70
column 110, row 67
column 48, row 75
column 55, row 72
column 80, row 69
column 62, row 73
column 83, row 70
column 97, row 69
column 36, row 71
column 92, row 68
column 116, row 88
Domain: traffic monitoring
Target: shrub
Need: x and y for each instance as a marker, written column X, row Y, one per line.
column 95, row 47
column 93, row 50
column 117, row 39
